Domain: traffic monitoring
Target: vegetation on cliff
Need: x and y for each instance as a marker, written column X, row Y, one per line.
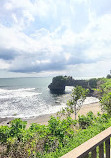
column 59, row 82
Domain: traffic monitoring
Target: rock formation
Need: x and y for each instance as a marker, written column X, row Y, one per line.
column 58, row 85
column 59, row 82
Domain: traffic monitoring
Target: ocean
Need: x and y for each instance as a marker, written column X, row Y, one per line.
column 30, row 97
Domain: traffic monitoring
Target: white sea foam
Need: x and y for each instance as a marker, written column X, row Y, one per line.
column 28, row 92
column 17, row 102
column 29, row 102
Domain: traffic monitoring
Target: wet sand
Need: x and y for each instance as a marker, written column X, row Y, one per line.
column 94, row 107
column 43, row 119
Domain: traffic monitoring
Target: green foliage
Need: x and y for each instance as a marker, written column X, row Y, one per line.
column 106, row 102
column 17, row 126
column 105, row 95
column 93, row 82
column 62, row 128
column 53, row 140
column 90, row 119
column 80, row 137
column 79, row 93
column 4, row 133
column 104, row 87
column 85, row 121
column 41, row 130
column 103, row 118
column 38, row 138
column 78, row 96
column 59, row 80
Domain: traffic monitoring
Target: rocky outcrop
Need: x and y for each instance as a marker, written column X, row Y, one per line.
column 82, row 83
column 58, row 85
column 59, row 82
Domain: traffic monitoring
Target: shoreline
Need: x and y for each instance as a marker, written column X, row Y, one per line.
column 43, row 119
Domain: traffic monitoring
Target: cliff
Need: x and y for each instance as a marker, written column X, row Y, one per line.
column 58, row 85
column 59, row 82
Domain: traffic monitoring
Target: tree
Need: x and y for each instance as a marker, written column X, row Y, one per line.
column 106, row 102
column 78, row 96
column 104, row 91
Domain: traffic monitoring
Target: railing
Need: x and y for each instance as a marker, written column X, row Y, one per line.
column 98, row 146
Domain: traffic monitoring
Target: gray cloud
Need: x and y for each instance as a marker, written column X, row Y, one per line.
column 51, row 62
column 8, row 54
column 36, row 63
column 40, row 68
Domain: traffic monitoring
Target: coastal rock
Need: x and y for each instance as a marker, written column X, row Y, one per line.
column 59, row 82
column 58, row 85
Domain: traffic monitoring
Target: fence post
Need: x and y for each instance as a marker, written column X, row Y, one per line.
column 107, row 146
column 94, row 154
column 101, row 151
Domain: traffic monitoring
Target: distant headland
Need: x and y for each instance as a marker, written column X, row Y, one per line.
column 59, row 82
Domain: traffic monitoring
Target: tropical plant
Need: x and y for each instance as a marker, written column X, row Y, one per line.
column 53, row 140
column 104, row 91
column 85, row 121
column 106, row 102
column 75, row 103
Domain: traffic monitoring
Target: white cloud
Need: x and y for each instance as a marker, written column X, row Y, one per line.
column 14, row 18
column 14, row 4
column 28, row 16
column 53, row 36
column 4, row 65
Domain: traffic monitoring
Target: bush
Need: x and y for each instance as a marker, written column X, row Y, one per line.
column 106, row 102
column 4, row 133
column 104, row 93
column 53, row 140
column 85, row 121
column 17, row 125
column 61, row 128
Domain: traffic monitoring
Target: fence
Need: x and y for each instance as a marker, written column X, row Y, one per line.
column 100, row 141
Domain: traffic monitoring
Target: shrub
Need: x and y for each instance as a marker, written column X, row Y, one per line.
column 61, row 128
column 4, row 133
column 106, row 102
column 17, row 125
column 53, row 140
column 85, row 121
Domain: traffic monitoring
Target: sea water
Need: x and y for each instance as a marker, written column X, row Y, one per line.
column 30, row 97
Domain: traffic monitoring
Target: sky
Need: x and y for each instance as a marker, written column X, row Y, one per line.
column 55, row 37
